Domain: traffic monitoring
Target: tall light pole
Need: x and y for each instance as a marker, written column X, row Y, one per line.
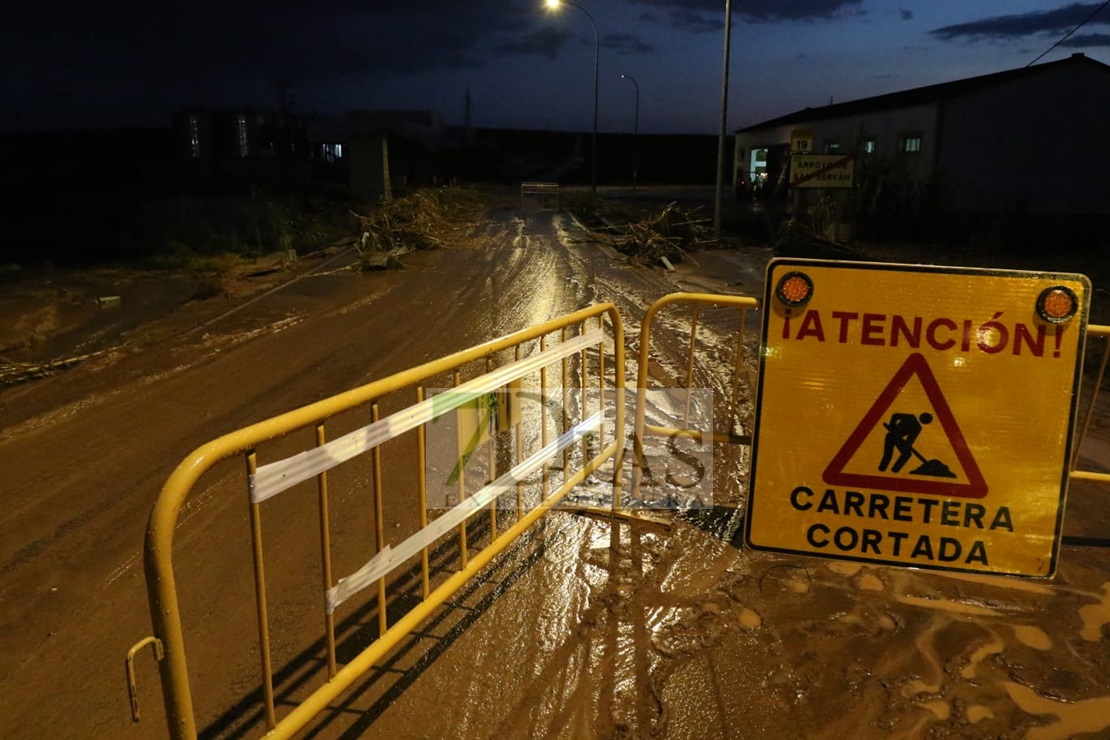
column 553, row 4
column 724, row 124
column 635, row 133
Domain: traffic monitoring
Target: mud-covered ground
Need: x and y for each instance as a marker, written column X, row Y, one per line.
column 582, row 629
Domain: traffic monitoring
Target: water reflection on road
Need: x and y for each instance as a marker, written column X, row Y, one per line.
column 675, row 632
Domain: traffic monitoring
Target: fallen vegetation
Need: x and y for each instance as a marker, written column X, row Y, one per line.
column 427, row 219
column 14, row 373
column 646, row 237
column 670, row 233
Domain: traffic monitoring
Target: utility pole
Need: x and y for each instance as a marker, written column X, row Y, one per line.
column 724, row 124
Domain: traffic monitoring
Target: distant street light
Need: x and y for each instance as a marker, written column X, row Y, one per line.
column 635, row 133
column 553, row 5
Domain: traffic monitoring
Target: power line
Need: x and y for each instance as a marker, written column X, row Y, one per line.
column 1069, row 33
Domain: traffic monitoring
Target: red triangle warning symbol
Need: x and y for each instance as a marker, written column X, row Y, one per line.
column 933, row 477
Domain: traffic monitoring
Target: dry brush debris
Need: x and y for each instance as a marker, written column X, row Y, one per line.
column 427, row 219
column 670, row 232
column 13, row 373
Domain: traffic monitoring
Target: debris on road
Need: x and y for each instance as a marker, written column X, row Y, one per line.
column 14, row 373
column 645, row 239
column 669, row 234
column 427, row 219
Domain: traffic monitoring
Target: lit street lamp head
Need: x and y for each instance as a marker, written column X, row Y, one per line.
column 552, row 4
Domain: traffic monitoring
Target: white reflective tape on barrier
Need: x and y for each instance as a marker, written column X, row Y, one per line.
column 273, row 478
column 383, row 562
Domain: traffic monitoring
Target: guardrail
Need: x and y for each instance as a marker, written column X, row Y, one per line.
column 546, row 194
column 570, row 344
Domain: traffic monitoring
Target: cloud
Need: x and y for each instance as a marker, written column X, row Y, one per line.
column 546, row 42
column 1056, row 20
column 1087, row 41
column 626, row 43
column 309, row 41
column 121, row 61
column 711, row 12
column 692, row 20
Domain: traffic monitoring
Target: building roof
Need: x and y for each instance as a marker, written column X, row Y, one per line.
column 920, row 95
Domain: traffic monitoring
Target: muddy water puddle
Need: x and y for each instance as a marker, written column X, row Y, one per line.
column 644, row 631
column 836, row 649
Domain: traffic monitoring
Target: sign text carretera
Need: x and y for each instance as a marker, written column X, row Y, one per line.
column 914, row 415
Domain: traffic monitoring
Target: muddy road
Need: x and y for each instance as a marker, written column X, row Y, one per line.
column 581, row 630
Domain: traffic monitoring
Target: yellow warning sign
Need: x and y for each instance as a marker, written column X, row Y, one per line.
column 916, row 415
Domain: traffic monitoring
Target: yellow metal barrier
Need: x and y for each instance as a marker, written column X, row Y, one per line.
column 641, row 428
column 566, row 343
column 1093, row 330
column 545, row 193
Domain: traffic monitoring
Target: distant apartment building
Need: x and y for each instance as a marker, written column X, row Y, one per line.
column 240, row 134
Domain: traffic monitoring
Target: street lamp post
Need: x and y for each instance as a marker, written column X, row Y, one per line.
column 635, row 134
column 724, row 123
column 552, row 4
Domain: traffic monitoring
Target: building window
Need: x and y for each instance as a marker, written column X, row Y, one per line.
column 242, row 129
column 760, row 155
column 909, row 143
column 338, row 151
column 867, row 146
column 832, row 146
column 194, row 137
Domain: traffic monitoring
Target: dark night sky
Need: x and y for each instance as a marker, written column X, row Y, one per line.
column 70, row 64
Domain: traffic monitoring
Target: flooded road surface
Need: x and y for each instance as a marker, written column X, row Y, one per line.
column 581, row 630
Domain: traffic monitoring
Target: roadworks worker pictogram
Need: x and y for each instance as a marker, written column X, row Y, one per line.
column 900, row 435
column 901, row 432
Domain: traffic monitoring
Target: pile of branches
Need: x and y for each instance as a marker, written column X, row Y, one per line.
column 670, row 233
column 427, row 219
